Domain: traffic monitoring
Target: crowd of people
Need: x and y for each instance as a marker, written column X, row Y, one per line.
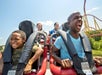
column 74, row 53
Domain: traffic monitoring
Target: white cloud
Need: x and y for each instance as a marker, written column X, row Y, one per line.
column 93, row 9
column 47, row 23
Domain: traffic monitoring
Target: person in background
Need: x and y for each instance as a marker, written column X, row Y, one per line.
column 40, row 27
column 56, row 27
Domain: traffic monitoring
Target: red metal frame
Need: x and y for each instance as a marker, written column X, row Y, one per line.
column 57, row 70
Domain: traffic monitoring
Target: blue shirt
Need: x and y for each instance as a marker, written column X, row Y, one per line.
column 78, row 46
column 59, row 43
column 52, row 31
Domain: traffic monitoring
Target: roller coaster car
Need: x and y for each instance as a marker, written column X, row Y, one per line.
column 56, row 69
column 41, row 63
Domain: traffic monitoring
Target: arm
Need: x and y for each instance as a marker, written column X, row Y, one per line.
column 53, row 54
column 58, row 45
column 65, row 63
column 38, row 52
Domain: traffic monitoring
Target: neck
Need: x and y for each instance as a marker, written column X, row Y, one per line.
column 74, row 34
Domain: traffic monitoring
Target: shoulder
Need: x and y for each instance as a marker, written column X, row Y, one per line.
column 52, row 31
column 59, row 39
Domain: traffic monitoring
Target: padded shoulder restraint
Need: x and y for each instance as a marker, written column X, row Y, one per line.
column 26, row 54
column 69, row 45
column 7, row 51
column 86, row 42
column 27, row 27
column 28, row 47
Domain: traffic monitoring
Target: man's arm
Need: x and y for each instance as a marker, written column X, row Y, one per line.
column 65, row 63
column 53, row 54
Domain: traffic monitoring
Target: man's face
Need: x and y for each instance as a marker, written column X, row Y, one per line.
column 76, row 22
column 39, row 26
column 16, row 41
column 57, row 26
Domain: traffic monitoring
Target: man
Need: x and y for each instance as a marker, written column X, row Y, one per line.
column 40, row 27
column 74, row 54
column 56, row 27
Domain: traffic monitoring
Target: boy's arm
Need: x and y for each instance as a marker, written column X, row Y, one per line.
column 38, row 51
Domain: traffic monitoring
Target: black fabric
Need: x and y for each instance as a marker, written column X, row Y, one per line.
column 7, row 51
column 7, row 66
column 7, row 54
column 20, row 70
column 27, row 27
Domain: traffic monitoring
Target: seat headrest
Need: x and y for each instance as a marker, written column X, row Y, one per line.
column 27, row 27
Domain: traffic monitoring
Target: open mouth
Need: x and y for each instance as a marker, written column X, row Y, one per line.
column 79, row 24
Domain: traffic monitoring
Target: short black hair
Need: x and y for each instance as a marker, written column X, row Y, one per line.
column 55, row 23
column 69, row 18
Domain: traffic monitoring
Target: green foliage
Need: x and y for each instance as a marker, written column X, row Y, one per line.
column 97, row 38
column 96, row 45
column 94, row 32
column 91, row 42
column 100, row 44
column 97, row 52
column 1, row 48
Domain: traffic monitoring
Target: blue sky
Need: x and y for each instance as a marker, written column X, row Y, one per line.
column 12, row 12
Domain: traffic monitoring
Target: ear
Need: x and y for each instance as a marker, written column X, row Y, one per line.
column 24, row 40
column 68, row 24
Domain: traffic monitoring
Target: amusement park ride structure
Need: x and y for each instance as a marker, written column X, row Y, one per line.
column 87, row 27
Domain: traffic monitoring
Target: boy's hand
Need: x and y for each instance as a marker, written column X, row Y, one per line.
column 28, row 68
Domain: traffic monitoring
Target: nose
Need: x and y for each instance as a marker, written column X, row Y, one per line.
column 79, row 18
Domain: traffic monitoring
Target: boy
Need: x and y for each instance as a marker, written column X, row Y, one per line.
column 17, row 41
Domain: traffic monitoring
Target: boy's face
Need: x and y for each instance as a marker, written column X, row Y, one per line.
column 76, row 22
column 16, row 41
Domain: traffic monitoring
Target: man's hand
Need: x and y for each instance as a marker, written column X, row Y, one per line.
column 98, row 60
column 66, row 63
